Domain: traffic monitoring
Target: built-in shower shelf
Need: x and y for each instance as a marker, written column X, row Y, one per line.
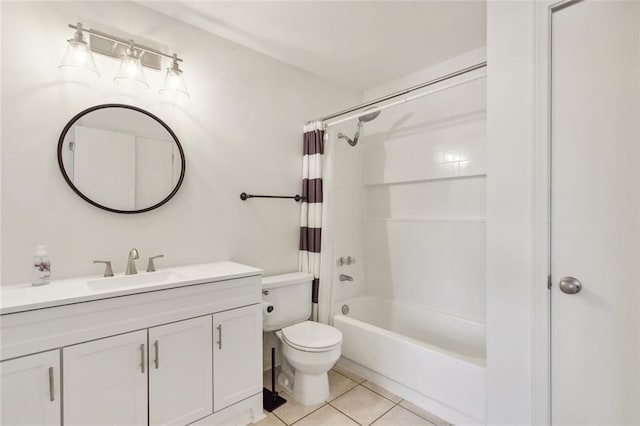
column 471, row 219
column 410, row 181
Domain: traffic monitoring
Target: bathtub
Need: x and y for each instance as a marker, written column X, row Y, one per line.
column 435, row 360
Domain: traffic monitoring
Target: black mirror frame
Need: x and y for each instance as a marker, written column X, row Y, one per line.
column 90, row 201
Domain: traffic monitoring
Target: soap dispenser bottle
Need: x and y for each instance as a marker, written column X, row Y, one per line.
column 41, row 266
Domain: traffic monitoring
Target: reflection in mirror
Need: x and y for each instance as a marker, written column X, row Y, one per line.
column 121, row 158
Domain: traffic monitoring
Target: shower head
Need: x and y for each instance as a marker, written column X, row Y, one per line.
column 362, row 119
column 369, row 117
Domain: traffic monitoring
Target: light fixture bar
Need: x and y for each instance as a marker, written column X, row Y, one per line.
column 117, row 50
column 133, row 58
column 122, row 45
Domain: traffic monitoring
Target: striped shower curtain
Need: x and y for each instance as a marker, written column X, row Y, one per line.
column 311, row 212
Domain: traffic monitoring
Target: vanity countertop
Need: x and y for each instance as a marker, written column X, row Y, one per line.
column 25, row 297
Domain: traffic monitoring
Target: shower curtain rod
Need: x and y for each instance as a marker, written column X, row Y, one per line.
column 404, row 100
column 405, row 91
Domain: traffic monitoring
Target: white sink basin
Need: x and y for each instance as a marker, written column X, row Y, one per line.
column 140, row 279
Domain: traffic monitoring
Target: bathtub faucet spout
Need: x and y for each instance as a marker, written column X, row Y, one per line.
column 344, row 277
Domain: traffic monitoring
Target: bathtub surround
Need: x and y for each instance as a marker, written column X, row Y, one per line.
column 424, row 177
column 411, row 198
column 408, row 201
column 236, row 94
column 311, row 211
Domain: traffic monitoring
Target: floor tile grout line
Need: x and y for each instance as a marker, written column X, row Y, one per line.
column 355, row 381
column 306, row 415
column 343, row 393
column 340, row 411
column 376, row 419
column 274, row 413
column 383, row 414
column 361, row 384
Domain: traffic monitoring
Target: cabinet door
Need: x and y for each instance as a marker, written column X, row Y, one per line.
column 237, row 355
column 180, row 372
column 105, row 381
column 31, row 390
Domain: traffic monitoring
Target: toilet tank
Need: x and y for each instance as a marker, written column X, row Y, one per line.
column 290, row 295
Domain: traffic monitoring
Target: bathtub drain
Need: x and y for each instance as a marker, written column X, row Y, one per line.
column 345, row 309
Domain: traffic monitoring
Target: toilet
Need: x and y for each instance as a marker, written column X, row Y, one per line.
column 309, row 349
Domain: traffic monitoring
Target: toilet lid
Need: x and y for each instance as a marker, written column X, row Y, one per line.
column 312, row 335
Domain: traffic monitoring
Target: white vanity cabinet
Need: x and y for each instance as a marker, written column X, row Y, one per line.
column 105, row 381
column 188, row 352
column 180, row 371
column 237, row 358
column 30, row 390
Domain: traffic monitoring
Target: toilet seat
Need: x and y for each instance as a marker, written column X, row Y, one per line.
column 310, row 336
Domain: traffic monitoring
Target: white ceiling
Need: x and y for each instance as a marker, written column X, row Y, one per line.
column 357, row 44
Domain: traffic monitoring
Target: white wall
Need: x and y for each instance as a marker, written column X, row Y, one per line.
column 510, row 194
column 412, row 197
column 241, row 131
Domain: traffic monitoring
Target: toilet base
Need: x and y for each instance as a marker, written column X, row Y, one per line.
column 307, row 389
column 304, row 374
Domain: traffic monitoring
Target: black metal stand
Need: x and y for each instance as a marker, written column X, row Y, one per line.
column 244, row 196
column 270, row 398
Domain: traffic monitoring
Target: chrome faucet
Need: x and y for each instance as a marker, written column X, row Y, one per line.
column 344, row 277
column 131, row 262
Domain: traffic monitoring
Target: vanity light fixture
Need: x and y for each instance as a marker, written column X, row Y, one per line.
column 78, row 54
column 134, row 58
column 173, row 80
column 131, row 68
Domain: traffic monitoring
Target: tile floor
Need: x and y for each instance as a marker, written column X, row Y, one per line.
column 352, row 401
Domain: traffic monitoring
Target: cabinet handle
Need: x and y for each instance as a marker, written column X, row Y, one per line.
column 157, row 348
column 142, row 358
column 219, row 336
column 52, row 392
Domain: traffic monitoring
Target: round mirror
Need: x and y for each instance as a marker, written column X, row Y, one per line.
column 121, row 158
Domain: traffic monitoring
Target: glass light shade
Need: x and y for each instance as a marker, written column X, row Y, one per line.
column 78, row 56
column 131, row 72
column 174, row 83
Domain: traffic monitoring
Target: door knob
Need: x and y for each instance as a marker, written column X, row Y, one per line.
column 570, row 285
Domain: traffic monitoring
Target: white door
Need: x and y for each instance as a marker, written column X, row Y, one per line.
column 154, row 170
column 105, row 381
column 30, row 390
column 180, row 372
column 595, row 213
column 104, row 167
column 237, row 355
